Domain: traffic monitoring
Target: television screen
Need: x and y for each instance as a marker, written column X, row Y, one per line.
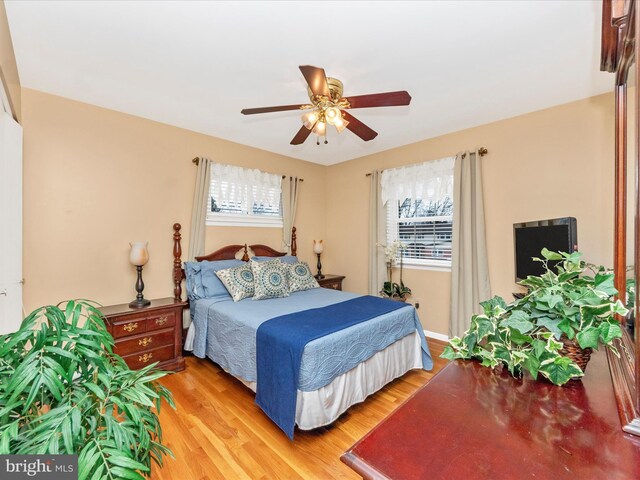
column 559, row 235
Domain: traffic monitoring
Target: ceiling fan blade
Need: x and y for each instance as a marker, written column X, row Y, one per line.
column 388, row 99
column 279, row 108
column 359, row 128
column 316, row 79
column 301, row 136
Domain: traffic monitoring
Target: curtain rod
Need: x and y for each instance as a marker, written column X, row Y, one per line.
column 196, row 162
column 482, row 151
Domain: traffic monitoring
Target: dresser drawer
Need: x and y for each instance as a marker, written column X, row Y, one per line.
column 334, row 282
column 139, row 360
column 147, row 341
column 129, row 326
column 161, row 320
column 333, row 285
column 136, row 324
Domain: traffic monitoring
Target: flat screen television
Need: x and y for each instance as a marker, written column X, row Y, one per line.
column 557, row 234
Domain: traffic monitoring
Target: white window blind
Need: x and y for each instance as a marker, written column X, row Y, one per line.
column 244, row 197
column 420, row 211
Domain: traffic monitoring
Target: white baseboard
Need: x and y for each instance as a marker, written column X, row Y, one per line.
column 436, row 335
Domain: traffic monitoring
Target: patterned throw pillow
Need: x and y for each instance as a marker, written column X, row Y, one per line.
column 238, row 281
column 301, row 278
column 271, row 279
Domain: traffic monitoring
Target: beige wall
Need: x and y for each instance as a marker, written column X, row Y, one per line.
column 8, row 68
column 96, row 179
column 551, row 163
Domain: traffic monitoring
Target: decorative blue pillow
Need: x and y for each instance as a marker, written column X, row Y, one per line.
column 284, row 259
column 238, row 281
column 271, row 279
column 211, row 284
column 301, row 278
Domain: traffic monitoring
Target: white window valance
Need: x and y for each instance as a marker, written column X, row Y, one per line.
column 245, row 190
column 431, row 181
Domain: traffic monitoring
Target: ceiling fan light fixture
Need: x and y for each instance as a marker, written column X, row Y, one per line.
column 320, row 129
column 309, row 119
column 328, row 105
column 332, row 114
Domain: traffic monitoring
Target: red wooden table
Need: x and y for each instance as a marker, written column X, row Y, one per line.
column 470, row 422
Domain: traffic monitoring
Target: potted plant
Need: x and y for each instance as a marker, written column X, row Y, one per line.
column 391, row 289
column 552, row 329
column 63, row 391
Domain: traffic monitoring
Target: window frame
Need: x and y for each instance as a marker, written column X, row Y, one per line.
column 222, row 219
column 248, row 219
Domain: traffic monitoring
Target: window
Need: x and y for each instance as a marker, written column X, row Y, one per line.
column 244, row 197
column 423, row 228
column 419, row 207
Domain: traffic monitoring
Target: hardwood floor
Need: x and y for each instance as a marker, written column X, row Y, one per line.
column 218, row 432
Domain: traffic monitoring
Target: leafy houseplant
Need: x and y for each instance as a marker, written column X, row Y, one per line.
column 62, row 391
column 533, row 333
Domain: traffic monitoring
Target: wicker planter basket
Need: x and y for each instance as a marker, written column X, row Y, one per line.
column 572, row 349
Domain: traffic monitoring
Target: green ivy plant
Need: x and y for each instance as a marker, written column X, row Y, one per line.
column 525, row 334
column 63, row 391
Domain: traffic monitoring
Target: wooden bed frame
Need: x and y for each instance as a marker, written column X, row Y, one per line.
column 228, row 252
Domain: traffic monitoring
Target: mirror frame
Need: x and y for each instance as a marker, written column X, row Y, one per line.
column 620, row 48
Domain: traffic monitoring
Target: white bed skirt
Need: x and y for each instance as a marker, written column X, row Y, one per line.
column 323, row 406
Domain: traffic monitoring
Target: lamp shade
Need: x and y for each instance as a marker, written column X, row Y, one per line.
column 139, row 254
column 318, row 247
column 332, row 114
column 341, row 124
column 320, row 129
column 309, row 119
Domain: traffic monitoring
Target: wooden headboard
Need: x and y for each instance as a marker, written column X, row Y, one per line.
column 225, row 253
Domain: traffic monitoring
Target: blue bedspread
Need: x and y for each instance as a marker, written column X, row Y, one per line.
column 225, row 331
column 281, row 341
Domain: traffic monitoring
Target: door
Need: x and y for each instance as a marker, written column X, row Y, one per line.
column 10, row 223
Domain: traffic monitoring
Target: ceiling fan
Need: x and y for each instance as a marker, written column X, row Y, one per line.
column 328, row 106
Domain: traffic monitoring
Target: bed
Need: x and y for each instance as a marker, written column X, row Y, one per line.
column 336, row 371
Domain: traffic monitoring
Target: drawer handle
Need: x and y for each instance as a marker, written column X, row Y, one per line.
column 161, row 320
column 130, row 327
column 145, row 341
column 145, row 358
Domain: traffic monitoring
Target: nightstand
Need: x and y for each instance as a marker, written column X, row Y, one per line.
column 149, row 334
column 331, row 281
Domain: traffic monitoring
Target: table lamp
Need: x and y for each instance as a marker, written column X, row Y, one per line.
column 138, row 257
column 318, row 248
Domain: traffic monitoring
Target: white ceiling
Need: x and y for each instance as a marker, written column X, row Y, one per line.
column 197, row 64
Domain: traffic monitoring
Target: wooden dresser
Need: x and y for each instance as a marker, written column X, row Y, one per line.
column 473, row 423
column 149, row 334
column 331, row 281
